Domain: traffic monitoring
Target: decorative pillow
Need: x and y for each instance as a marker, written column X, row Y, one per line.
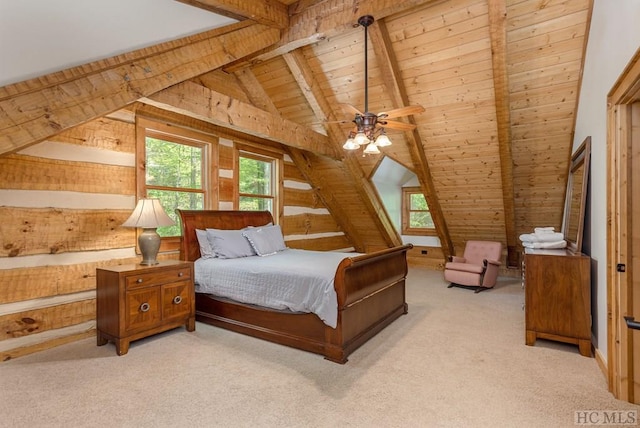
column 266, row 240
column 206, row 252
column 229, row 244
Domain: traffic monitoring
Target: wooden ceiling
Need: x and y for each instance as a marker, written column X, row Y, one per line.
column 499, row 81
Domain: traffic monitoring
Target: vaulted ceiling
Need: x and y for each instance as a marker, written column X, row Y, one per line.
column 499, row 81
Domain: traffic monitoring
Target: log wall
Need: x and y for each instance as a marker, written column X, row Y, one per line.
column 63, row 202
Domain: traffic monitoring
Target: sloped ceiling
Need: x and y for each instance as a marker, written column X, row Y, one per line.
column 499, row 81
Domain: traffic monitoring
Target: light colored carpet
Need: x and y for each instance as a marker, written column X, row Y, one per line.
column 458, row 359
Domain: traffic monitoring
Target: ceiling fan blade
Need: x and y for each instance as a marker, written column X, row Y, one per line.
column 348, row 108
column 394, row 124
column 402, row 111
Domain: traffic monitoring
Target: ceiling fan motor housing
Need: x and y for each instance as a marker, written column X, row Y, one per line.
column 365, row 20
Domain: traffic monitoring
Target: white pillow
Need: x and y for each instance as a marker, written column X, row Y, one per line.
column 266, row 240
column 229, row 244
column 206, row 252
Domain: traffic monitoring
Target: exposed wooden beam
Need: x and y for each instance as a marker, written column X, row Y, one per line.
column 37, row 109
column 498, row 33
column 193, row 100
column 255, row 92
column 370, row 198
column 390, row 70
column 271, row 13
column 325, row 19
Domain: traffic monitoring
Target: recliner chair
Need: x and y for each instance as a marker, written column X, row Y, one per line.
column 477, row 268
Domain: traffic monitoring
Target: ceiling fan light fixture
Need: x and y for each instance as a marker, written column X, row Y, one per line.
column 361, row 138
column 383, row 140
column 369, row 127
column 350, row 144
column 372, row 149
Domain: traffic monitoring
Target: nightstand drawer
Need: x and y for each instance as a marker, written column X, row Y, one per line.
column 155, row 278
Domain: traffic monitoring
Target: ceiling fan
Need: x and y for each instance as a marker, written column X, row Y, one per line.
column 370, row 127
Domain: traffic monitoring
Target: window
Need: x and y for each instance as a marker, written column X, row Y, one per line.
column 416, row 218
column 175, row 171
column 257, row 182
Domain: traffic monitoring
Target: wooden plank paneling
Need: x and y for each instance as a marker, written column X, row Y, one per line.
column 321, row 244
column 53, row 231
column 307, row 224
column 302, row 198
column 32, row 173
column 49, row 318
column 103, row 133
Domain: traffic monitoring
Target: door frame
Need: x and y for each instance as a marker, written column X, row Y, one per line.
column 623, row 147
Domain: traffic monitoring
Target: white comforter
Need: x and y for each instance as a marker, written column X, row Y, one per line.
column 297, row 280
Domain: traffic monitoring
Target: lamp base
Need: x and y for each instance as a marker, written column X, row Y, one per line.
column 149, row 243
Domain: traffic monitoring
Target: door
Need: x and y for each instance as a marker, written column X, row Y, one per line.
column 623, row 129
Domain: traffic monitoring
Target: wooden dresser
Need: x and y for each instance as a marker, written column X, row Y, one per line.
column 135, row 301
column 558, row 297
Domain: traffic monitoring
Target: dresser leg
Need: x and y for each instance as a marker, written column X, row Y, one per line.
column 122, row 346
column 530, row 338
column 100, row 339
column 191, row 324
column 585, row 347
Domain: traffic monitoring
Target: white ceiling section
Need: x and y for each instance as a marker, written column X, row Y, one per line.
column 38, row 37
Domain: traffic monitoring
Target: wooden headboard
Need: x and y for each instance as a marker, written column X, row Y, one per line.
column 201, row 219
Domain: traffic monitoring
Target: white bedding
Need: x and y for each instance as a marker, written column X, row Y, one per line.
column 296, row 280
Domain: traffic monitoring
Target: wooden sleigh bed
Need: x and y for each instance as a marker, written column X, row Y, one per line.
column 370, row 291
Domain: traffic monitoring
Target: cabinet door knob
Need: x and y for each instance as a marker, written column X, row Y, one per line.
column 139, row 280
column 177, row 300
column 180, row 273
column 145, row 307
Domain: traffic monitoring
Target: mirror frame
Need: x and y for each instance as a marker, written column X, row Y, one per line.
column 580, row 158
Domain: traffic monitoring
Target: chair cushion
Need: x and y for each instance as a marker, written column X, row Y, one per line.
column 476, row 251
column 464, row 267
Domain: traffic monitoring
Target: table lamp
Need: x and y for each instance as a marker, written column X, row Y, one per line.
column 148, row 215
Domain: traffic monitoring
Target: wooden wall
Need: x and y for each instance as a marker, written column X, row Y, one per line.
column 63, row 202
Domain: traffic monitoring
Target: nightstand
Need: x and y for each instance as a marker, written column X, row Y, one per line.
column 136, row 301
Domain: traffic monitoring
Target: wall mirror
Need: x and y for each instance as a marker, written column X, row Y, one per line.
column 574, row 206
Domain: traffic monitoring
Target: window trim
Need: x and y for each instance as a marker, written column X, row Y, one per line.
column 277, row 159
column 163, row 130
column 406, row 205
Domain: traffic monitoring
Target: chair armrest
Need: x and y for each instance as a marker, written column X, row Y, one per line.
column 456, row 259
column 492, row 268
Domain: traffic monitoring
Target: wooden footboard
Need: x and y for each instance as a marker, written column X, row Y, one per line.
column 370, row 290
column 371, row 295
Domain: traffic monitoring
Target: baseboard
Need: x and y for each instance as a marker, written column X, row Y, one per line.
column 602, row 363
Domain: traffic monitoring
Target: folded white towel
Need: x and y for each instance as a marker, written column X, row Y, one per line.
column 542, row 237
column 549, row 229
column 557, row 244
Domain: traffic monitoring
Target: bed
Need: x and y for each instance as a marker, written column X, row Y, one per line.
column 370, row 290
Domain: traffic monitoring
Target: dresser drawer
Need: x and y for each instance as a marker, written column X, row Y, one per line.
column 155, row 278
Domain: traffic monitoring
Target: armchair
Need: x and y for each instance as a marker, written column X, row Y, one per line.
column 478, row 267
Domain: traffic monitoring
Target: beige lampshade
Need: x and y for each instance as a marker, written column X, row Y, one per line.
column 148, row 214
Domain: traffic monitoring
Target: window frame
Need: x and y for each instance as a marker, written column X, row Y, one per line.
column 407, row 192
column 277, row 159
column 175, row 134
